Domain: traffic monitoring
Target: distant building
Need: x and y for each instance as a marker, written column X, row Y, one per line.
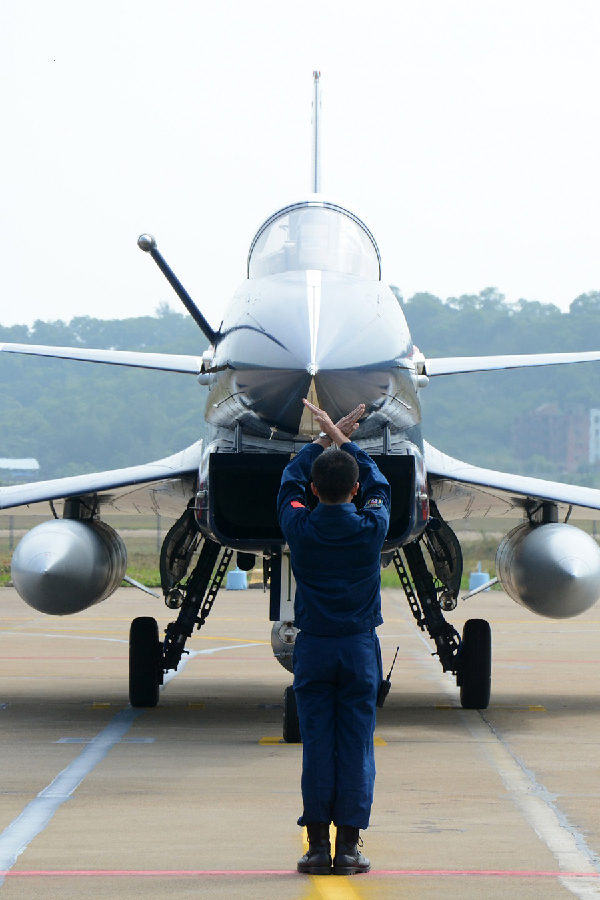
column 564, row 439
column 594, row 436
column 15, row 470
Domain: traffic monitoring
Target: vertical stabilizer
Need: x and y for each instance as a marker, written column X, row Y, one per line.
column 316, row 145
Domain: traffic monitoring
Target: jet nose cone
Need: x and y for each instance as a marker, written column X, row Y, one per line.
column 322, row 332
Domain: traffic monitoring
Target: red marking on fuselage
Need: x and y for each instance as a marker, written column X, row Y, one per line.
column 232, row 873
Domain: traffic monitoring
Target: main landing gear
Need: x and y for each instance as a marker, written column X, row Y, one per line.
column 469, row 658
column 149, row 658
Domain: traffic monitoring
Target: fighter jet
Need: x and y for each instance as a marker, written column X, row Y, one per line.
column 313, row 319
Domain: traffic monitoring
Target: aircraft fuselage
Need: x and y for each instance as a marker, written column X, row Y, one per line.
column 336, row 337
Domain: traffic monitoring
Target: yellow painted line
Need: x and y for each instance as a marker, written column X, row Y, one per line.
column 332, row 887
column 332, row 834
column 517, row 708
column 379, row 742
column 206, row 637
column 115, row 631
column 195, row 705
column 99, row 705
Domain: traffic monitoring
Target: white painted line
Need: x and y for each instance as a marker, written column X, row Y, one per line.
column 72, row 637
column 15, row 839
column 532, row 799
column 536, row 806
column 37, row 814
column 83, row 740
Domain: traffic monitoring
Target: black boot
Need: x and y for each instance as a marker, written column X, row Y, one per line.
column 317, row 859
column 348, row 859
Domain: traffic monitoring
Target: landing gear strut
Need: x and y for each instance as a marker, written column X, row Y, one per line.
column 148, row 657
column 469, row 659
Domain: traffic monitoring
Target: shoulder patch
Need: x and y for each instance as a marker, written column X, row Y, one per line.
column 374, row 503
column 297, row 505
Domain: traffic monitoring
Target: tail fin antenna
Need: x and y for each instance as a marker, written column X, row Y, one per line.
column 316, row 123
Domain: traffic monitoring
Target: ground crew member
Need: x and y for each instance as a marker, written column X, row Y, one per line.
column 335, row 555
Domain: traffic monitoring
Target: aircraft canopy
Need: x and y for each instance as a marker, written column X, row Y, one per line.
column 314, row 235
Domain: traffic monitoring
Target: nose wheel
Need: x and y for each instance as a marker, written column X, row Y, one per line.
column 145, row 662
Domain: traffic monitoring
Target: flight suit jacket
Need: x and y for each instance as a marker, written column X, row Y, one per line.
column 335, row 549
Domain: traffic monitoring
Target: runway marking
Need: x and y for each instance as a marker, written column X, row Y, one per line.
column 38, row 813
column 206, row 637
column 126, row 740
column 35, row 817
column 328, row 887
column 73, row 637
column 71, row 631
column 531, row 798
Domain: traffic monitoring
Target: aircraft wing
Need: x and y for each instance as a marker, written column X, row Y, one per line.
column 164, row 486
column 463, row 491
column 166, row 362
column 455, row 365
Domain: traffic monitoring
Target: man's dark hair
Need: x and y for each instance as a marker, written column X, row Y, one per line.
column 334, row 474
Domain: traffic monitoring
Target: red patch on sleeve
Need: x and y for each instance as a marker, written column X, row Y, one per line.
column 297, row 505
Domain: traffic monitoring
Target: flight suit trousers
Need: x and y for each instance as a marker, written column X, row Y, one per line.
column 336, row 681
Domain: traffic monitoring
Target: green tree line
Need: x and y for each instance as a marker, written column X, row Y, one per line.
column 471, row 416
column 76, row 417
column 79, row 417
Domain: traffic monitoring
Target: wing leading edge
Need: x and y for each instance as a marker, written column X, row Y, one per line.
column 457, row 365
column 166, row 362
column 464, row 491
column 165, row 483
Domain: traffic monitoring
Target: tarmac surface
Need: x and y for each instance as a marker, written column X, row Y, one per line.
column 197, row 798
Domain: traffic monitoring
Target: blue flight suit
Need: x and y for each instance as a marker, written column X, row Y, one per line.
column 335, row 555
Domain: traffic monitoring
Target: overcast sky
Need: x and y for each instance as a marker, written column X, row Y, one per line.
column 465, row 133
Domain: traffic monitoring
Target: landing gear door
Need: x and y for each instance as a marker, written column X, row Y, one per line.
column 282, row 588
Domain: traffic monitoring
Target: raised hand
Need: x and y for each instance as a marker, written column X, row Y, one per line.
column 338, row 433
column 349, row 423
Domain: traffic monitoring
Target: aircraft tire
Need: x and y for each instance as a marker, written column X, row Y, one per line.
column 291, row 724
column 144, row 662
column 476, row 665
